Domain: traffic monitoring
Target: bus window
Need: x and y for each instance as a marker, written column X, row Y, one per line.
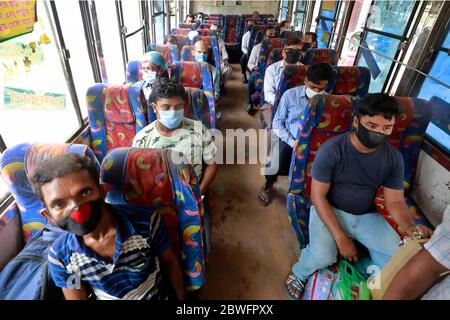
column 110, row 40
column 300, row 15
column 327, row 17
column 430, row 88
column 284, row 9
column 158, row 18
column 133, row 22
column 75, row 41
column 3, row 187
column 34, row 91
column 384, row 29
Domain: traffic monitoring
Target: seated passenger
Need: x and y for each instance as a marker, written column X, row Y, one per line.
column 106, row 250
column 269, row 32
column 200, row 17
column 225, row 68
column 189, row 18
column 421, row 276
column 285, row 26
column 173, row 131
column 255, row 15
column 202, row 53
column 347, row 172
column 291, row 52
column 153, row 66
column 309, row 41
column 244, row 48
column 287, row 120
column 171, row 39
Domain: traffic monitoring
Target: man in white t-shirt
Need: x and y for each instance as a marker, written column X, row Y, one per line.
column 244, row 47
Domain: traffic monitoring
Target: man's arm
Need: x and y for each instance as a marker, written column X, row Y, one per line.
column 253, row 60
column 270, row 87
column 346, row 246
column 279, row 120
column 208, row 177
column 171, row 263
column 395, row 204
column 415, row 278
column 244, row 45
column 76, row 294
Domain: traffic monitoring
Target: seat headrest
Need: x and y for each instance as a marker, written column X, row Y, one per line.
column 137, row 176
column 187, row 73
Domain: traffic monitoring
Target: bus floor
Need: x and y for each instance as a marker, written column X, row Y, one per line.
column 253, row 247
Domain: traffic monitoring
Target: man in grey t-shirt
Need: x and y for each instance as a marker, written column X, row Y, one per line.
column 346, row 174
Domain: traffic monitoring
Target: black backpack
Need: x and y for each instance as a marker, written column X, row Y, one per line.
column 26, row 277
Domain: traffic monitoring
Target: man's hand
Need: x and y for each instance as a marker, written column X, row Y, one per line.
column 347, row 248
column 419, row 231
column 225, row 62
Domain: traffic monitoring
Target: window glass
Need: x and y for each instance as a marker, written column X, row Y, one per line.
column 3, row 186
column 73, row 32
column 384, row 45
column 390, row 16
column 132, row 20
column 35, row 102
column 284, row 10
column 158, row 18
column 110, row 39
column 323, row 33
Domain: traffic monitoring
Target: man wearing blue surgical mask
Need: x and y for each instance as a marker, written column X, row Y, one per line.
column 202, row 53
column 173, row 131
column 287, row 120
column 153, row 66
column 189, row 137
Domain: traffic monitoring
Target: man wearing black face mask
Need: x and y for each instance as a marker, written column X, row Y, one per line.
column 347, row 172
column 113, row 251
column 291, row 56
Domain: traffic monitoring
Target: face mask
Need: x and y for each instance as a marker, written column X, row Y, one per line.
column 149, row 76
column 370, row 139
column 83, row 219
column 200, row 57
column 306, row 46
column 311, row 93
column 171, row 119
column 293, row 56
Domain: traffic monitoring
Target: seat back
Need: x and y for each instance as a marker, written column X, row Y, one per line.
column 321, row 55
column 253, row 33
column 182, row 41
column 168, row 51
column 186, row 53
column 441, row 113
column 134, row 73
column 191, row 26
column 206, row 32
column 196, row 75
column 292, row 76
column 325, row 117
column 181, row 31
column 206, row 25
column 353, row 81
column 149, row 178
column 17, row 164
column 232, row 29
column 274, row 56
column 267, row 45
column 115, row 116
column 196, row 107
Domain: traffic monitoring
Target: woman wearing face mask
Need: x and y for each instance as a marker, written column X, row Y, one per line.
column 287, row 120
column 189, row 137
column 153, row 66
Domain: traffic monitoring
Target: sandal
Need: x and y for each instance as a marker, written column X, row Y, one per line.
column 264, row 196
column 293, row 282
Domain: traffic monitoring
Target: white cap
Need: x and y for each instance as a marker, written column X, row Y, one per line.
column 192, row 34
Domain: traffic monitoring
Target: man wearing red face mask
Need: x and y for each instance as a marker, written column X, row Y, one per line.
column 112, row 251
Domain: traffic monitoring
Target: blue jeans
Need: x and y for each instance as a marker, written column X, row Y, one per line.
column 370, row 229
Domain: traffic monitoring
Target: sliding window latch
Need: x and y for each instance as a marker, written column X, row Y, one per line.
column 66, row 54
column 123, row 30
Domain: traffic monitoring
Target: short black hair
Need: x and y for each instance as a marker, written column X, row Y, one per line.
column 312, row 34
column 166, row 88
column 283, row 23
column 373, row 104
column 171, row 39
column 292, row 41
column 50, row 169
column 268, row 28
column 318, row 72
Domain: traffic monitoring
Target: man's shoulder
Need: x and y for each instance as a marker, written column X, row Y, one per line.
column 63, row 245
column 296, row 91
column 274, row 66
column 334, row 144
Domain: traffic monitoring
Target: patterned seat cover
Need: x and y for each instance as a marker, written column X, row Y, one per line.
column 168, row 51
column 196, row 75
column 321, row 55
column 148, row 177
column 115, row 116
column 17, row 164
column 191, row 26
column 354, row 81
column 232, row 29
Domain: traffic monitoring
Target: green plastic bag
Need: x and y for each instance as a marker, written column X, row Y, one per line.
column 352, row 286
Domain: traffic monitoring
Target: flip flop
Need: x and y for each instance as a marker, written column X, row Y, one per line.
column 264, row 196
column 293, row 282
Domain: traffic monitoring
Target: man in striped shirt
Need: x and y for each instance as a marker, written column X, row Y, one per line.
column 114, row 252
